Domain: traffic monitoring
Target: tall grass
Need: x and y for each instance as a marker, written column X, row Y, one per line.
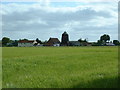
column 60, row 67
column 0, row 68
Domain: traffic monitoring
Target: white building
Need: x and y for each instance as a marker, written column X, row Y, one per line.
column 110, row 44
column 26, row 43
column 56, row 45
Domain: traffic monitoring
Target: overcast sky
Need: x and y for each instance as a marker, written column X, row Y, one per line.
column 46, row 19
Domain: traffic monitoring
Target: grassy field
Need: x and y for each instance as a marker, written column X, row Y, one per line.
column 60, row 67
column 0, row 68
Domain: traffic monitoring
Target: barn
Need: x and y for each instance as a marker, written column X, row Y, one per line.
column 52, row 42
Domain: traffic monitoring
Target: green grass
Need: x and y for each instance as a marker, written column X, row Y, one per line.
column 60, row 67
column 0, row 68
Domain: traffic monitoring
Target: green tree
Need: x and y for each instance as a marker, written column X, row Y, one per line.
column 15, row 43
column 85, row 40
column 116, row 42
column 105, row 38
column 44, row 42
column 5, row 40
column 38, row 41
column 80, row 40
column 25, row 39
column 99, row 42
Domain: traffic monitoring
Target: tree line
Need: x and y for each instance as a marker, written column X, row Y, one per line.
column 104, row 39
column 8, row 42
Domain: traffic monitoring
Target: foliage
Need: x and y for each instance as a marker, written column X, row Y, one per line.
column 44, row 41
column 99, row 43
column 83, row 42
column 80, row 40
column 38, row 41
column 105, row 38
column 116, row 42
column 15, row 43
column 60, row 67
column 23, row 39
column 95, row 44
column 5, row 40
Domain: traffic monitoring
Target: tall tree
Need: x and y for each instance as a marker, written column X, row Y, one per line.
column 105, row 38
column 5, row 40
column 80, row 40
column 38, row 41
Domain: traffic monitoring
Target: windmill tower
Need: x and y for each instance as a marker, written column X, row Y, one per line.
column 64, row 39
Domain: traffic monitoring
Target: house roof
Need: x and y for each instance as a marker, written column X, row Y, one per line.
column 26, row 41
column 52, row 41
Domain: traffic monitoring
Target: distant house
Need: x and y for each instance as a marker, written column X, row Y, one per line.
column 52, row 42
column 90, row 43
column 9, row 44
column 110, row 44
column 37, row 44
column 74, row 43
column 86, row 43
column 26, row 43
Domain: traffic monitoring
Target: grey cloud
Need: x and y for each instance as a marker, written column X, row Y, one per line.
column 16, row 22
column 58, row 16
column 53, row 19
column 96, row 28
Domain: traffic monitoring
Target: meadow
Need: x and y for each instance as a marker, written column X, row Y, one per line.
column 60, row 67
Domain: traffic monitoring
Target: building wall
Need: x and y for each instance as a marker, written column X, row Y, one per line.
column 57, row 45
column 74, row 43
column 25, row 44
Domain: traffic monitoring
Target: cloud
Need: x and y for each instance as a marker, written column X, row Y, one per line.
column 60, row 1
column 37, row 21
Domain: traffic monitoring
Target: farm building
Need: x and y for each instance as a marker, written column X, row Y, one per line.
column 26, row 43
column 110, row 44
column 52, row 42
column 74, row 43
column 90, row 43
